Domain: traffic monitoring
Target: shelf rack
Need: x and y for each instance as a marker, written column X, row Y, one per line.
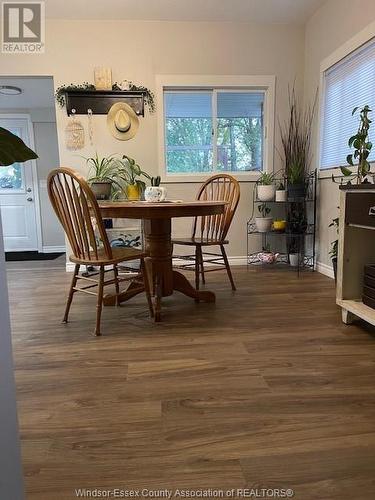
column 280, row 241
column 101, row 101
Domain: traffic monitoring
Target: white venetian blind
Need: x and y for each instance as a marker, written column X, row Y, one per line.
column 348, row 84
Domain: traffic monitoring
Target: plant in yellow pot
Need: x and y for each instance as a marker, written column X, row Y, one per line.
column 134, row 186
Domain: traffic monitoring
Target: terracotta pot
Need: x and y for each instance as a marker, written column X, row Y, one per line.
column 101, row 190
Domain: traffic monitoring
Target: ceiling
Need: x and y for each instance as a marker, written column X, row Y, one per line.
column 252, row 11
column 36, row 93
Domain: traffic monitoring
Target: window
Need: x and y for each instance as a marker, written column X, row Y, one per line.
column 213, row 130
column 347, row 84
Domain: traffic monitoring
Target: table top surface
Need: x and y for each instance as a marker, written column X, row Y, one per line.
column 168, row 209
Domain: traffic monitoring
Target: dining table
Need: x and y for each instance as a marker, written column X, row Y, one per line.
column 157, row 226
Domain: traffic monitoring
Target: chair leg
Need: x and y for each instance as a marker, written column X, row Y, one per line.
column 227, row 266
column 71, row 293
column 117, row 285
column 146, row 282
column 197, row 266
column 99, row 304
column 202, row 264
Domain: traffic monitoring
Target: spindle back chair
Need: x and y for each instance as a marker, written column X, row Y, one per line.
column 211, row 230
column 78, row 212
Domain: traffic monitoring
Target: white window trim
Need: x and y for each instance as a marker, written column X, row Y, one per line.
column 235, row 82
column 347, row 48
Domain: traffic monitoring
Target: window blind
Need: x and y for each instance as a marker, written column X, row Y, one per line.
column 347, row 84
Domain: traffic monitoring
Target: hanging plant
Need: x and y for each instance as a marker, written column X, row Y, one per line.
column 149, row 95
column 60, row 91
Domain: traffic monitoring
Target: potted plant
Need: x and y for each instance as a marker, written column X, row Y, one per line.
column 104, row 172
column 296, row 181
column 334, row 246
column 280, row 193
column 263, row 223
column 296, row 145
column 134, row 186
column 362, row 149
column 293, row 251
column 266, row 187
column 155, row 193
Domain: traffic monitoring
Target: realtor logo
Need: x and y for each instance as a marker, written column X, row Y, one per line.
column 23, row 27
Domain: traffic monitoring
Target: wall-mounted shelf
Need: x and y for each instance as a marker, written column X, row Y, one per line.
column 101, row 101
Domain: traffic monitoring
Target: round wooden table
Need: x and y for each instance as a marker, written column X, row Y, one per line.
column 157, row 224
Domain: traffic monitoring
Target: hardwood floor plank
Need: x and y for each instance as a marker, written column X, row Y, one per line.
column 264, row 388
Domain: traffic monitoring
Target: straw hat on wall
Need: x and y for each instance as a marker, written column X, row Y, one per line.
column 122, row 121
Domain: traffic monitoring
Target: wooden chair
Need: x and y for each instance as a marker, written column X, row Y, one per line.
column 212, row 230
column 77, row 210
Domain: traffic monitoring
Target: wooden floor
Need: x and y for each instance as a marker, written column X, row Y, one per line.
column 265, row 389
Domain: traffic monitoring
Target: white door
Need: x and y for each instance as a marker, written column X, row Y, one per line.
column 17, row 194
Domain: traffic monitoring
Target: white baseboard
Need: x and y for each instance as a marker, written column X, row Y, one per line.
column 325, row 269
column 54, row 249
column 233, row 261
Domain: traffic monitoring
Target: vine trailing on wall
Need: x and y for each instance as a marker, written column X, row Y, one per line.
column 149, row 95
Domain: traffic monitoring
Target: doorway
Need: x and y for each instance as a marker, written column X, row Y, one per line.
column 19, row 193
column 31, row 229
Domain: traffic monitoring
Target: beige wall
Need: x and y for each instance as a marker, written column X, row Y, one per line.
column 331, row 26
column 140, row 50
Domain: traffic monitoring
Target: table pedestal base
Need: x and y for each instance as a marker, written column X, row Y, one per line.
column 159, row 264
column 180, row 284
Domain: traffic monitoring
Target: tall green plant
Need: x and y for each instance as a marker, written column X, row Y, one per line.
column 362, row 147
column 296, row 139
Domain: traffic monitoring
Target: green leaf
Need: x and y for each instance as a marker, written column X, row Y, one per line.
column 13, row 149
column 369, row 146
column 351, row 140
column 349, row 159
column 346, row 171
column 354, row 110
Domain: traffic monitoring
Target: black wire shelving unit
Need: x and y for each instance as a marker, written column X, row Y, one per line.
column 280, row 242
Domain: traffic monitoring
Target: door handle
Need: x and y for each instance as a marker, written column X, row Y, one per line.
column 29, row 199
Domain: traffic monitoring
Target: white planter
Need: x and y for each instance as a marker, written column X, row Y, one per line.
column 280, row 195
column 263, row 224
column 154, row 194
column 266, row 193
column 294, row 259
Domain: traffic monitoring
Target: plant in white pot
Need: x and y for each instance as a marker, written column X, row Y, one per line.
column 280, row 194
column 263, row 223
column 155, row 193
column 266, row 187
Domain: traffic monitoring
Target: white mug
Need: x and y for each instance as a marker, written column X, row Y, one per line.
column 155, row 194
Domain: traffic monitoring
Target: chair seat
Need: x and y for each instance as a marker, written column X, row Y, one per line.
column 197, row 240
column 120, row 254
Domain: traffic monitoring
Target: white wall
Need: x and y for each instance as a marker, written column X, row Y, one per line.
column 140, row 50
column 331, row 26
